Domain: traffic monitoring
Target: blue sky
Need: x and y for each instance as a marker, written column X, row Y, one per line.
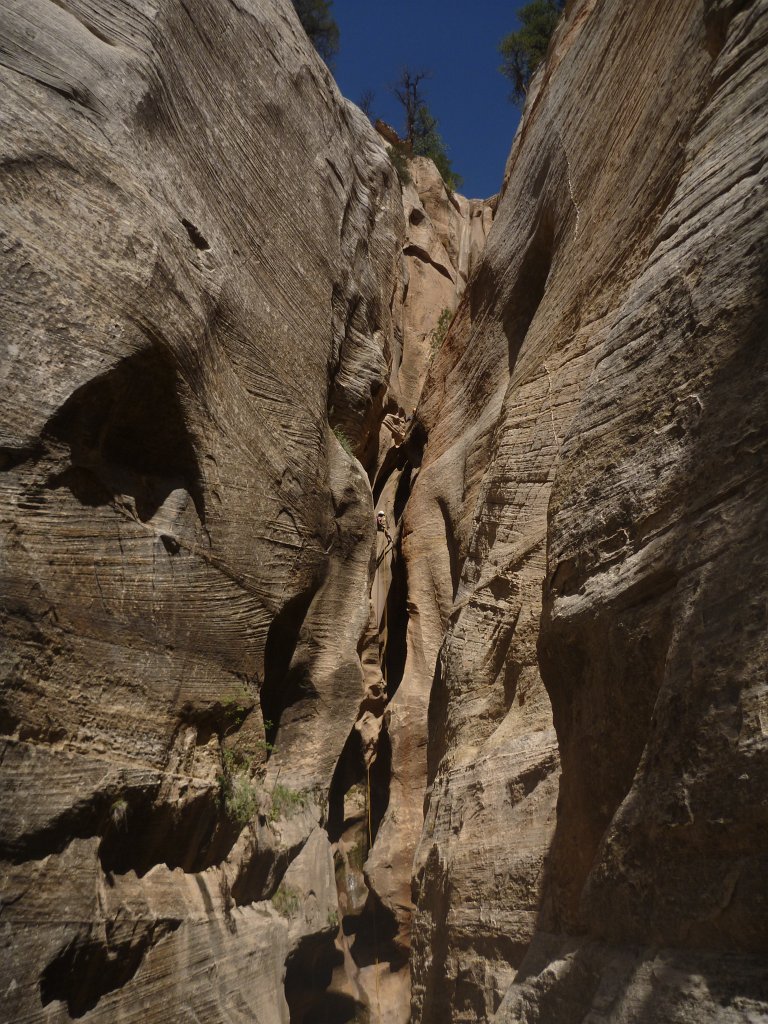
column 458, row 43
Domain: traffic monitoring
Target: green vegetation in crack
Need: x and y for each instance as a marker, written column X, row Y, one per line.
column 241, row 800
column 236, row 707
column 264, row 745
column 400, row 163
column 286, row 901
column 237, row 792
column 285, row 802
column 343, row 440
column 441, row 329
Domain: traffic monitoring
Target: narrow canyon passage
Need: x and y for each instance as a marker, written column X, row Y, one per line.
column 377, row 791
column 498, row 756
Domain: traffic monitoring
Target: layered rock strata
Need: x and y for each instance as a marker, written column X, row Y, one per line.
column 384, row 770
column 588, row 523
column 225, row 694
column 201, row 245
column 207, row 256
column 445, row 235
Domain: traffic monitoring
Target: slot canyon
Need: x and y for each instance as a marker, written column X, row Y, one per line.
column 497, row 755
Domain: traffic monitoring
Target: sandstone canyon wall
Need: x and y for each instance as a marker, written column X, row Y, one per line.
column 201, row 251
column 596, row 451
column 261, row 763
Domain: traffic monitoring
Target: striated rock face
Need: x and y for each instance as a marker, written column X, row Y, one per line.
column 201, row 240
column 596, row 460
column 503, row 759
column 218, row 310
column 445, row 234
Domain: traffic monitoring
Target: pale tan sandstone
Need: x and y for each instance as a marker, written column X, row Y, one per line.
column 441, row 242
column 214, row 289
column 200, row 244
column 596, row 430
column 204, row 270
column 445, row 233
column 461, row 224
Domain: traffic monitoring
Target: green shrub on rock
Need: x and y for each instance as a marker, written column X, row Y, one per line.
column 286, row 801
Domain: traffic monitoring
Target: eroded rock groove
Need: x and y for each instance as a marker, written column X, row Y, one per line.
column 497, row 755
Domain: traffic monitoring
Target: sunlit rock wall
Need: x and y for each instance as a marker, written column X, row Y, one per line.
column 219, row 313
column 588, row 523
column 200, row 244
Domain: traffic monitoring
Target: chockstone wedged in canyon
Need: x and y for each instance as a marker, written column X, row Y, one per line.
column 505, row 758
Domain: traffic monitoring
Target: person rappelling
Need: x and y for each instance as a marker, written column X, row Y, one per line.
column 383, row 528
column 381, row 583
column 381, row 525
